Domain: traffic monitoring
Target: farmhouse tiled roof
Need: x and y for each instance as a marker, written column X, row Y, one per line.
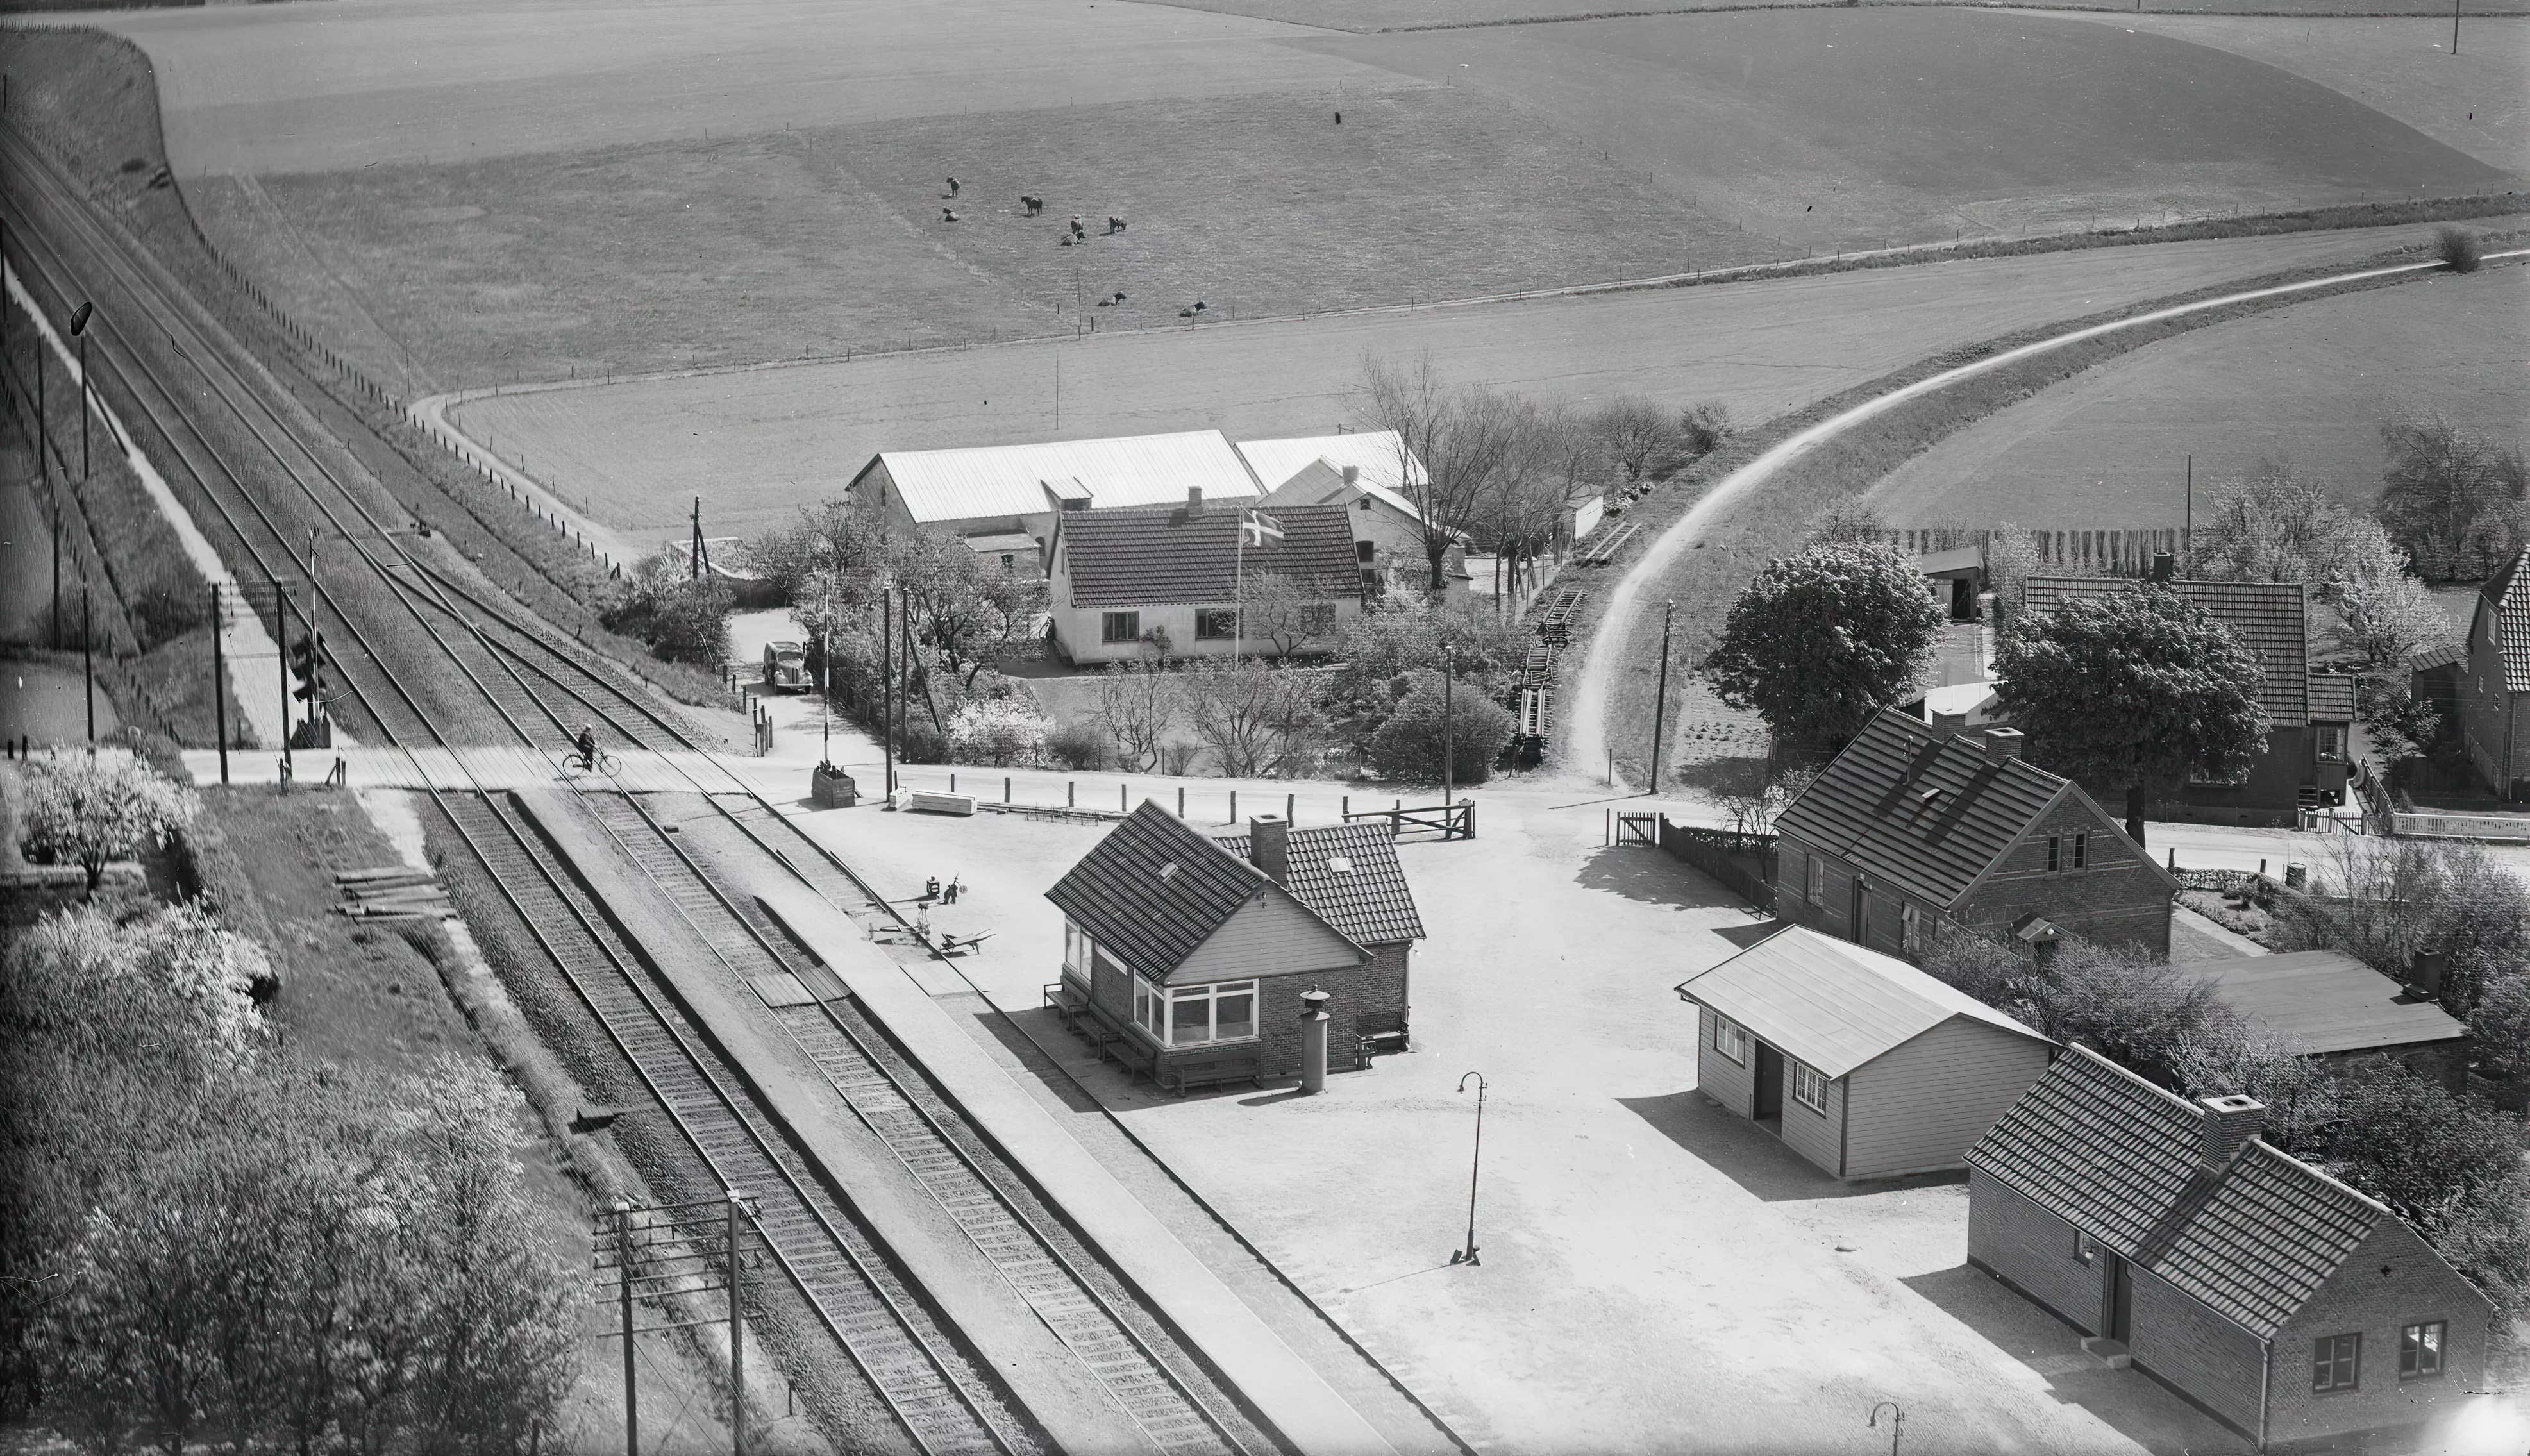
column 2507, row 595
column 1146, row 558
column 1830, row 1003
column 1369, row 901
column 2331, row 697
column 2321, row 1002
column 1926, row 812
column 1150, row 916
column 2272, row 617
column 2118, row 1159
column 1013, row 479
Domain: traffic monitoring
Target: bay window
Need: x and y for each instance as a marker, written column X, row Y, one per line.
column 1193, row 1015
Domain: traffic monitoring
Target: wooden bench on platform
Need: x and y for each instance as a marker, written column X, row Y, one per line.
column 1066, row 1003
column 1212, row 1071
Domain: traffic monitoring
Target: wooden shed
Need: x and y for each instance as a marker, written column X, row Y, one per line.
column 2329, row 1005
column 1862, row 1063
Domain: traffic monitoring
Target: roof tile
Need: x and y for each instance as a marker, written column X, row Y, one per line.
column 1370, row 903
column 2507, row 592
column 1148, row 919
column 2272, row 617
column 1144, row 557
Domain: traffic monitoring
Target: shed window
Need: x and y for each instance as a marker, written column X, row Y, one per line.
column 1730, row 1039
column 2420, row 1351
column 1120, row 626
column 1148, row 998
column 2336, row 1362
column 1910, row 930
column 1077, row 946
column 1809, row 1088
column 2331, row 744
column 1216, row 624
column 2081, row 850
column 1817, row 881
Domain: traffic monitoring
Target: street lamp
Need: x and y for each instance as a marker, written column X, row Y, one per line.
column 1896, row 1420
column 1475, row 1160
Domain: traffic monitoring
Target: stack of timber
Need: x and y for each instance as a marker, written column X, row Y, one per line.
column 393, row 893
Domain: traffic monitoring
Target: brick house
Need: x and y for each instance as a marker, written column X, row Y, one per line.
column 1185, row 962
column 2309, row 757
column 2280, row 1302
column 1373, row 476
column 1858, row 1061
column 1115, row 576
column 2493, row 683
column 1909, row 824
column 1349, row 875
column 2329, row 1005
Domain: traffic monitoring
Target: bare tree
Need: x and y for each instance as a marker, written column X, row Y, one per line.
column 1257, row 720
column 1550, row 449
column 1275, row 608
column 1460, row 435
column 1638, row 435
column 1138, row 701
column 1849, row 520
column 1703, row 427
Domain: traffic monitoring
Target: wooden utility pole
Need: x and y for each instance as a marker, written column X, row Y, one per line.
column 1660, row 701
column 694, row 546
column 2187, row 537
column 2454, row 27
column 737, row 1338
column 88, row 666
column 887, row 690
column 219, row 684
column 624, row 1293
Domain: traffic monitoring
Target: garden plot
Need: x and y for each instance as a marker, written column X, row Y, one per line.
column 2309, row 385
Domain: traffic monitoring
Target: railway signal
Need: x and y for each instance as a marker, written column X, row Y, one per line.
column 307, row 664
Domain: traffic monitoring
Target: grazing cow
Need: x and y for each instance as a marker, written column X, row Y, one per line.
column 1198, row 306
column 948, row 214
column 952, row 186
column 1338, row 118
column 1034, row 205
column 1114, row 224
column 1119, row 296
column 1065, row 241
column 1079, row 228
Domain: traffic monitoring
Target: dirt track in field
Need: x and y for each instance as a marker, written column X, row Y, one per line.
column 2305, row 385
column 757, row 444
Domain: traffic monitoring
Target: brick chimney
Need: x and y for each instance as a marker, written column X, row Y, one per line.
column 1353, row 474
column 2164, row 567
column 2424, row 972
column 2228, row 1124
column 2002, row 746
column 1269, row 847
column 1194, row 501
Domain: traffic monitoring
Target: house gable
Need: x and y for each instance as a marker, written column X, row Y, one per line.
column 1272, row 935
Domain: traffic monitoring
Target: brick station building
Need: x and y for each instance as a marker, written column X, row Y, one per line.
column 1187, row 961
column 1910, row 824
column 2280, row 1302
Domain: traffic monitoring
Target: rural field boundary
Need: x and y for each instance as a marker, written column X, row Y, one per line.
column 1600, row 695
column 2039, row 5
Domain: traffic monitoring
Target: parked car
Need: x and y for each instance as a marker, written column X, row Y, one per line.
column 786, row 666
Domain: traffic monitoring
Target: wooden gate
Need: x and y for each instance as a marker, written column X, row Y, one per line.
column 1638, row 829
column 1425, row 821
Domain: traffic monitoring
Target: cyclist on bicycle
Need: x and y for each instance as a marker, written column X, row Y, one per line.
column 586, row 743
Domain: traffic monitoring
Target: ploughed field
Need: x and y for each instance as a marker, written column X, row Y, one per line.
column 1470, row 161
column 757, row 444
column 1409, row 15
column 2309, row 385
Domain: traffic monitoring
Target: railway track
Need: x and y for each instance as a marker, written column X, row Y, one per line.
column 540, row 690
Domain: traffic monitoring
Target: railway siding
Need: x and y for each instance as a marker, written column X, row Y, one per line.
column 1293, row 1396
column 998, row 1325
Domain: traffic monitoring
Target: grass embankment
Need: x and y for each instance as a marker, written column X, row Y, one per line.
column 1379, row 15
column 1771, row 520
column 105, row 128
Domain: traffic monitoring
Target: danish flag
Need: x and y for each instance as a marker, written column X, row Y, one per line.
column 1259, row 526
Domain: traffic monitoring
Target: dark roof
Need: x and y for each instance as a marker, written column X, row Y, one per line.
column 1870, row 807
column 2272, row 617
column 2118, row 1158
column 2325, row 1000
column 2331, row 697
column 1150, row 921
column 1369, row 904
column 2447, row 655
column 2509, row 598
column 1132, row 558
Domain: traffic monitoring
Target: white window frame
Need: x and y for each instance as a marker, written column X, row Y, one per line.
column 1807, row 1081
column 1730, row 1039
column 1815, row 879
column 1106, row 626
column 1911, row 929
column 2420, row 1342
column 2081, row 851
column 2332, row 742
column 1155, row 1006
column 1077, row 949
column 1215, row 616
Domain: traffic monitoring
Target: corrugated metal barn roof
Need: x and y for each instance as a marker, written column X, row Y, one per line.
column 1832, row 1004
column 1011, row 479
column 1374, row 451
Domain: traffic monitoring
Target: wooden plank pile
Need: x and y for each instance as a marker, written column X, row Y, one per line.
column 394, row 892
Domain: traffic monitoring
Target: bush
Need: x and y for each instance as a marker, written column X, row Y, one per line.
column 1705, row 427
column 87, row 809
column 683, row 618
column 2233, row 1056
column 1380, row 648
column 2499, row 1028
column 2128, row 1007
column 1984, row 966
column 2457, row 246
column 999, row 732
column 1408, row 745
column 1079, row 746
column 918, row 742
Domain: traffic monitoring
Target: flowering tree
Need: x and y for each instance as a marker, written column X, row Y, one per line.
column 1005, row 732
column 87, row 809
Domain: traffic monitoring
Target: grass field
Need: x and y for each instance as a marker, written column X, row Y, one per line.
column 2478, row 101
column 308, row 87
column 2309, row 384
column 1864, row 126
column 1416, row 14
column 758, row 444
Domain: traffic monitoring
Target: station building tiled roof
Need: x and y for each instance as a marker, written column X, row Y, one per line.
column 1830, row 1003
column 2272, row 617
column 1366, row 899
column 1155, row 889
column 2120, row 1159
column 1176, row 556
column 1927, row 812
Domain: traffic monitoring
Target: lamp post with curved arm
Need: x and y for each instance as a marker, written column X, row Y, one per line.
column 1896, row 1422
column 1475, row 1160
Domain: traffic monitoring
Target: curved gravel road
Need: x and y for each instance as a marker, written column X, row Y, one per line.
column 1588, row 697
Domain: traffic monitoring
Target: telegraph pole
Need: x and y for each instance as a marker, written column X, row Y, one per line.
column 88, row 666
column 624, row 1290
column 737, row 1338
column 219, row 686
column 2188, row 538
column 1660, row 702
column 887, row 690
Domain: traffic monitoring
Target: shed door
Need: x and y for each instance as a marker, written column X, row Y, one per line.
column 1769, row 1099
column 2119, row 1325
column 1858, row 930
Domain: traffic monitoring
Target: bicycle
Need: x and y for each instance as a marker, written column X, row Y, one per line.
column 575, row 765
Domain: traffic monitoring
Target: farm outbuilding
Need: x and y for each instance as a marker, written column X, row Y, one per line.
column 1858, row 1061
column 2329, row 1005
column 1374, row 477
column 1007, row 490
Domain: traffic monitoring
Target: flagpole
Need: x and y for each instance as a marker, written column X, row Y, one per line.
column 1238, row 591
